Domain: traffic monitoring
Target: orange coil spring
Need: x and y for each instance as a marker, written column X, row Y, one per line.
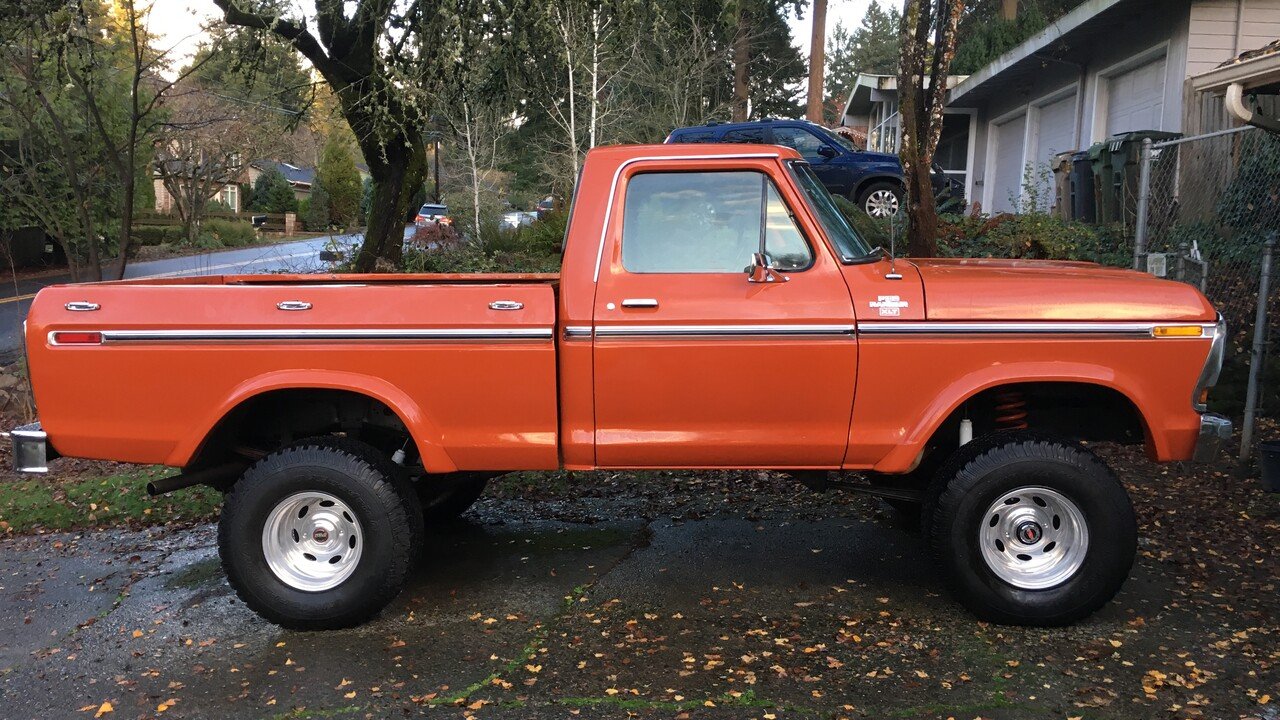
column 1011, row 410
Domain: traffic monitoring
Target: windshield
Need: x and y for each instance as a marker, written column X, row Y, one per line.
column 847, row 241
column 843, row 141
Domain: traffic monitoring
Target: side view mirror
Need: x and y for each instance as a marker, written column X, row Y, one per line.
column 827, row 151
column 760, row 272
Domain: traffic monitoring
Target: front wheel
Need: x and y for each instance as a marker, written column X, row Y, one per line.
column 319, row 535
column 1030, row 531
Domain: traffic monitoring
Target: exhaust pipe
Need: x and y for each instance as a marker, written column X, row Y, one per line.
column 208, row 476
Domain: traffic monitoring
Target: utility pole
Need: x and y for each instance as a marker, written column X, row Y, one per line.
column 817, row 59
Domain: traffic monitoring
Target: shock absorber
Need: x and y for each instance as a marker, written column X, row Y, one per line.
column 1010, row 410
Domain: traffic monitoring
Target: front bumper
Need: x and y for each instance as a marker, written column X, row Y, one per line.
column 1214, row 430
column 30, row 448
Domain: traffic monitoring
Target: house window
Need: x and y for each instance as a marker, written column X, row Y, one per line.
column 230, row 196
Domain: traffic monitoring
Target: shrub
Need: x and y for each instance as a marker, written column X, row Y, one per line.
column 216, row 233
column 1034, row 236
column 157, row 234
column 317, row 217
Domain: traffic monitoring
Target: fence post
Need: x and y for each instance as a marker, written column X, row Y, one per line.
column 1144, row 199
column 1256, row 356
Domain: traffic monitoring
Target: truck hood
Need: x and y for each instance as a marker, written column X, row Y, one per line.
column 991, row 289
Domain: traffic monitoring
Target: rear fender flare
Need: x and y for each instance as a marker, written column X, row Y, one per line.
column 904, row 455
column 426, row 434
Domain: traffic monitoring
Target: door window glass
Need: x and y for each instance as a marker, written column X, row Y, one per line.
column 745, row 135
column 707, row 222
column 805, row 142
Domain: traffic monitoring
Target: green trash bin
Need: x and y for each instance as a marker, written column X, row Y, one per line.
column 1124, row 156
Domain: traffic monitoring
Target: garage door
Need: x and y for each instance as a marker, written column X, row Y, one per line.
column 1135, row 99
column 1007, row 181
column 1055, row 133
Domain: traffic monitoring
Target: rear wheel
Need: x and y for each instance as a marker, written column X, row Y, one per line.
column 1031, row 531
column 881, row 200
column 320, row 534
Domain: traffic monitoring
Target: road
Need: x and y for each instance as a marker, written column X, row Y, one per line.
column 302, row 256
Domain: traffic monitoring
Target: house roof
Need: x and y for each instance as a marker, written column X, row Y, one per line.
column 868, row 88
column 1066, row 40
column 294, row 174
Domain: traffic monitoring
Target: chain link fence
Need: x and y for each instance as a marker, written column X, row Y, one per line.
column 1203, row 210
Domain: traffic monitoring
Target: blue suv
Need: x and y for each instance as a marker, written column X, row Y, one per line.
column 872, row 180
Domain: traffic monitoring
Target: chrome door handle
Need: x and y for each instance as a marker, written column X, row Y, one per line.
column 506, row 305
column 640, row 303
column 293, row 305
column 81, row 306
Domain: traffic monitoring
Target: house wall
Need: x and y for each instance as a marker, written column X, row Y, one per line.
column 1222, row 29
column 1110, row 54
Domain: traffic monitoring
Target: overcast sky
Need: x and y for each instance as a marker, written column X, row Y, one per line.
column 179, row 21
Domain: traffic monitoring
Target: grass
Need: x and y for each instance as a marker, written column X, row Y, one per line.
column 89, row 501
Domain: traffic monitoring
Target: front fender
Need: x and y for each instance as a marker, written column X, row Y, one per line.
column 426, row 434
column 891, row 441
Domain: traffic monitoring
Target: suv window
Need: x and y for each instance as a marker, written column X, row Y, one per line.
column 707, row 222
column 698, row 136
column 805, row 142
column 745, row 135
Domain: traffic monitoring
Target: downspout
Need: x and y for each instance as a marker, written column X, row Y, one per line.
column 1235, row 105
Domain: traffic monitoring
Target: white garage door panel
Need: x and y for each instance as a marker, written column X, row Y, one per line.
column 1007, row 183
column 1056, row 133
column 1135, row 99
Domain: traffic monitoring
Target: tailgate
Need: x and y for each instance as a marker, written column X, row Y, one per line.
column 141, row 372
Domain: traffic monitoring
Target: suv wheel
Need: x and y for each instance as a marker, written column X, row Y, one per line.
column 881, row 200
column 320, row 534
column 1031, row 531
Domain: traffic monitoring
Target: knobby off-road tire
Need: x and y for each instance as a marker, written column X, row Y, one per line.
column 1028, row 530
column 320, row 534
column 443, row 499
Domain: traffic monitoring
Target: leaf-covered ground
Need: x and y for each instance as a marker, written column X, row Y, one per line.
column 665, row 595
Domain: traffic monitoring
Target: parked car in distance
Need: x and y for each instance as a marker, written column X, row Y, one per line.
column 517, row 219
column 872, row 180
column 714, row 311
column 545, row 206
column 433, row 213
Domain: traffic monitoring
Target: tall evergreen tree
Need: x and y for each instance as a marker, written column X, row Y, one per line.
column 871, row 48
column 272, row 193
column 338, row 176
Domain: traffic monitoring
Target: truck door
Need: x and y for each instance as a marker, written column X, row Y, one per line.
column 695, row 364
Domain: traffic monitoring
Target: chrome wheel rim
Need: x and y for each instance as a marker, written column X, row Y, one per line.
column 882, row 203
column 1034, row 538
column 312, row 541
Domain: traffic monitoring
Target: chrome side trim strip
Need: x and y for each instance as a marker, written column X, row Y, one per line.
column 613, row 187
column 721, row 330
column 1135, row 329
column 577, row 331
column 324, row 334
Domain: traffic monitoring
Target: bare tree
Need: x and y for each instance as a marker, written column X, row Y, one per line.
column 928, row 44
column 203, row 146
column 479, row 128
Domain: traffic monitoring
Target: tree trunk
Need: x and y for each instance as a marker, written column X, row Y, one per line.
column 817, row 57
column 395, row 182
column 741, row 57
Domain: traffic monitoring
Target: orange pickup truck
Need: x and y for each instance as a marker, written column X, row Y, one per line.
column 714, row 310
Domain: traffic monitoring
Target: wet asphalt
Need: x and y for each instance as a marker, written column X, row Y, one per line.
column 511, row 616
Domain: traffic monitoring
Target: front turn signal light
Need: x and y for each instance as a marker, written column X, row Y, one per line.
column 1177, row 331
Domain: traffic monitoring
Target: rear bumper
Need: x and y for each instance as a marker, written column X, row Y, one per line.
column 30, row 448
column 1214, row 431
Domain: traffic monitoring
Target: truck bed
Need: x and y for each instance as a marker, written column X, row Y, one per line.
column 145, row 370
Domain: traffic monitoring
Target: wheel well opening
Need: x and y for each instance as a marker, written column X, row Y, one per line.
column 1070, row 410
column 268, row 421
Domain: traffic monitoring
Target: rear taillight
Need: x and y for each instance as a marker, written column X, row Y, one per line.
column 75, row 337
